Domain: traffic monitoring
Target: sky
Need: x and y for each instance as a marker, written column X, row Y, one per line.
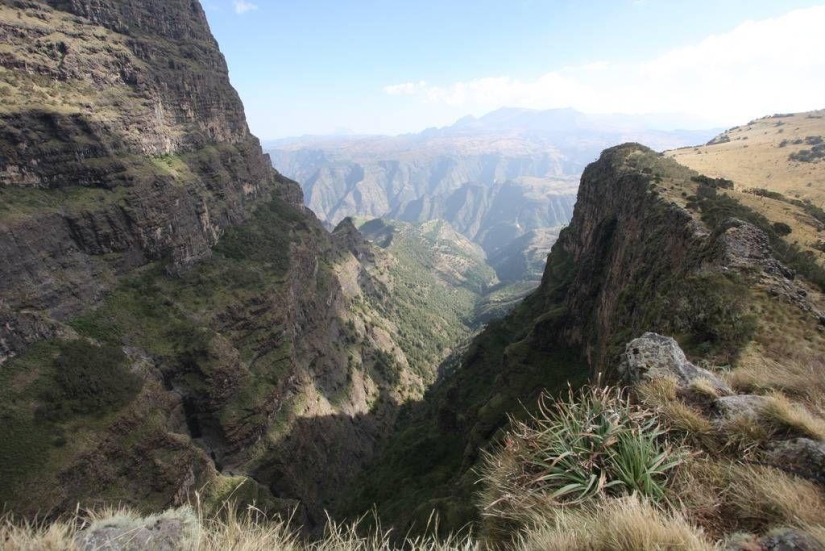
column 396, row 66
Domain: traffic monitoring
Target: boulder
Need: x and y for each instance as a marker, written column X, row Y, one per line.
column 654, row 356
column 170, row 531
column 741, row 405
column 802, row 456
column 790, row 540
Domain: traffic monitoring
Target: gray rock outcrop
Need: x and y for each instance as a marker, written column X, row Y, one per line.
column 653, row 356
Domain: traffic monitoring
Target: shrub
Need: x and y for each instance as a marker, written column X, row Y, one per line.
column 781, row 228
column 713, row 182
column 89, row 380
column 594, row 443
column 809, row 155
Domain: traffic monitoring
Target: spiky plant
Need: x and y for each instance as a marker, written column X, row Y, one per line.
column 596, row 442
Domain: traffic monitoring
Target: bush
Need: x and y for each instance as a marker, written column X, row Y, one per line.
column 713, row 182
column 812, row 155
column 89, row 380
column 781, row 228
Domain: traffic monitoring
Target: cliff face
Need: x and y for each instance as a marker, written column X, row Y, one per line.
column 651, row 247
column 172, row 319
column 121, row 142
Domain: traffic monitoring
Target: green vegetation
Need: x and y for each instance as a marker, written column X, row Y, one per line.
column 812, row 155
column 436, row 281
column 782, row 229
column 806, row 205
column 265, row 239
column 717, row 208
column 712, row 182
column 90, row 380
column 55, row 387
column 593, row 443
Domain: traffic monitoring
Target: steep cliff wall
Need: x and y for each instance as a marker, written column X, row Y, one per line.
column 172, row 319
column 121, row 142
column 651, row 247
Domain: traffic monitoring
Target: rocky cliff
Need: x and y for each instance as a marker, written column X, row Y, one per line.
column 121, row 142
column 173, row 319
column 652, row 246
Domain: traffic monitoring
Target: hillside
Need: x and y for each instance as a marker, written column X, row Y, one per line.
column 173, row 319
column 651, row 247
column 777, row 167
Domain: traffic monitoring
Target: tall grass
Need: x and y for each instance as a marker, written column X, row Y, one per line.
column 227, row 531
column 624, row 524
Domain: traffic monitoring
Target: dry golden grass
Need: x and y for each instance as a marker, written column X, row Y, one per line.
column 36, row 537
column 697, row 491
column 628, row 524
column 226, row 532
column 801, row 377
column 765, row 496
column 660, row 395
column 753, row 158
column 704, row 388
column 785, row 416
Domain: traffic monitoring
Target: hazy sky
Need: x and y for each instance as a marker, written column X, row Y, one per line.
column 392, row 66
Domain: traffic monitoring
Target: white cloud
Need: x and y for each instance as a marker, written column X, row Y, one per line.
column 758, row 68
column 243, row 6
column 405, row 89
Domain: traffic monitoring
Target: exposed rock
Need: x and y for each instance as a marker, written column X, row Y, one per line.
column 740, row 244
column 349, row 238
column 170, row 531
column 748, row 406
column 800, row 455
column 134, row 149
column 790, row 540
column 653, row 356
column 19, row 330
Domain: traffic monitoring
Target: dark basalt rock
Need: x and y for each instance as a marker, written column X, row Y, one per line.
column 142, row 155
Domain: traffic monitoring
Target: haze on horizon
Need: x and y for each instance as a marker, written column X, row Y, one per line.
column 387, row 67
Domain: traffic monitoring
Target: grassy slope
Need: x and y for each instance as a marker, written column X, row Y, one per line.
column 758, row 156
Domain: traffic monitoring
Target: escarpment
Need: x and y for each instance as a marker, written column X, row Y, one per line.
column 121, row 143
column 652, row 246
column 172, row 319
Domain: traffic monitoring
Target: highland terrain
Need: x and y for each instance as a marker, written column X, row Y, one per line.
column 191, row 359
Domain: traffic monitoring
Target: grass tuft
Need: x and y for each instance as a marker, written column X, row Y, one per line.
column 629, row 524
column 765, row 496
column 592, row 444
column 788, row 417
column 228, row 531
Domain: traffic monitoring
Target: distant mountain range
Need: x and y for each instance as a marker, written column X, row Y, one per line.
column 493, row 178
